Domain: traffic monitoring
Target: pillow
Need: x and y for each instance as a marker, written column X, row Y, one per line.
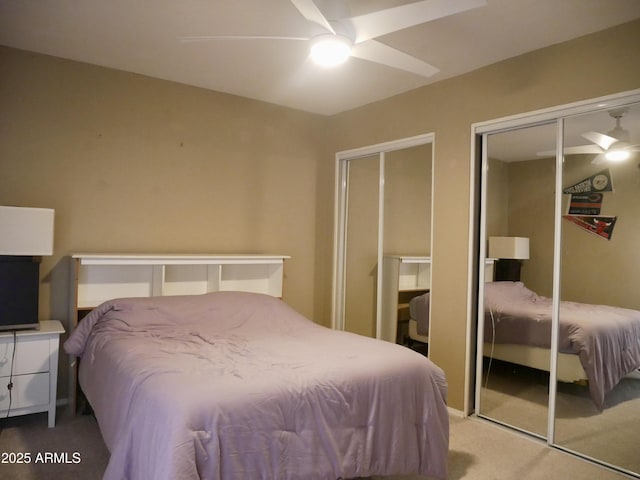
column 501, row 293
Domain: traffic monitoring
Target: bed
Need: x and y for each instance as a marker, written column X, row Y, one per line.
column 419, row 318
column 236, row 385
column 598, row 343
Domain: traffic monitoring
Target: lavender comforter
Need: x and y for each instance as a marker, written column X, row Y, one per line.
column 606, row 338
column 233, row 385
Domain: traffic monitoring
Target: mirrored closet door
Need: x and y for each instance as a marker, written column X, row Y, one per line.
column 559, row 318
column 599, row 293
column 383, row 226
column 519, row 229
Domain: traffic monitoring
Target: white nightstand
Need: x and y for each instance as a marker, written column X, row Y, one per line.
column 35, row 370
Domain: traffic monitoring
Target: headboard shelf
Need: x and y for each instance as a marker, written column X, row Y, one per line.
column 98, row 277
column 101, row 277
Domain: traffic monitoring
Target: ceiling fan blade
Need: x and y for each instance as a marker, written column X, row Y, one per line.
column 311, row 12
column 204, row 38
column 380, row 53
column 600, row 139
column 581, row 149
column 390, row 20
column 599, row 159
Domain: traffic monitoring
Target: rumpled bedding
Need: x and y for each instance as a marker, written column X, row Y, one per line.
column 606, row 338
column 239, row 386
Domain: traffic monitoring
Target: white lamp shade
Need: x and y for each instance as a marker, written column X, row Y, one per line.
column 26, row 231
column 509, row 247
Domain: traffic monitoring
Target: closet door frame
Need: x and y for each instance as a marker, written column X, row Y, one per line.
column 341, row 200
column 477, row 248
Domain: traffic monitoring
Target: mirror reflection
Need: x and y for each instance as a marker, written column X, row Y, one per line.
column 406, row 276
column 519, row 238
column 361, row 246
column 376, row 300
column 599, row 414
column 592, row 404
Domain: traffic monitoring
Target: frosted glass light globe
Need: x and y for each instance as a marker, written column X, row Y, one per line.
column 330, row 50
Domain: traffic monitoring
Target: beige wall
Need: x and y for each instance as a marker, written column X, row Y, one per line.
column 135, row 164
column 497, row 199
column 592, row 66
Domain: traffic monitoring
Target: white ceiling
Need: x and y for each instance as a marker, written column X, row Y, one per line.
column 142, row 36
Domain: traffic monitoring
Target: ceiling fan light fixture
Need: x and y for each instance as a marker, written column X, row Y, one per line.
column 617, row 155
column 330, row 50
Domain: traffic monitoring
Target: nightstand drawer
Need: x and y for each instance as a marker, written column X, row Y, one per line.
column 32, row 355
column 28, row 391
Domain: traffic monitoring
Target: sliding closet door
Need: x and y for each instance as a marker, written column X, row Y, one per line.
column 519, row 215
column 361, row 257
column 557, row 179
column 601, row 267
column 407, row 231
column 383, row 200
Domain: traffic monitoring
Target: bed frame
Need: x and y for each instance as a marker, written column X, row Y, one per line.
column 569, row 368
column 413, row 332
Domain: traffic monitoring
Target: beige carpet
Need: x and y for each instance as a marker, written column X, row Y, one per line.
column 519, row 396
column 478, row 451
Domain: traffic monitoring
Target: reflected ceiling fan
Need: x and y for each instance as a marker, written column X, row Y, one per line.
column 339, row 38
column 613, row 146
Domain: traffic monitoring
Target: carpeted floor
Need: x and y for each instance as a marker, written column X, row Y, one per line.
column 479, row 450
column 519, row 396
column 76, row 440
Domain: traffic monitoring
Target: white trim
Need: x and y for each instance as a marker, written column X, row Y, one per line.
column 471, row 260
column 381, row 180
column 390, row 146
column 555, row 313
column 433, row 190
column 550, row 114
column 456, row 413
column 339, row 241
column 482, row 233
column 177, row 259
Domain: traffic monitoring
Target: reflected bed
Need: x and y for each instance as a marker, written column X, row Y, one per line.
column 233, row 385
column 604, row 339
column 597, row 343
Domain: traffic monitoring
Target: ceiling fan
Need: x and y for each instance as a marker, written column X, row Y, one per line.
column 337, row 39
column 613, row 146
